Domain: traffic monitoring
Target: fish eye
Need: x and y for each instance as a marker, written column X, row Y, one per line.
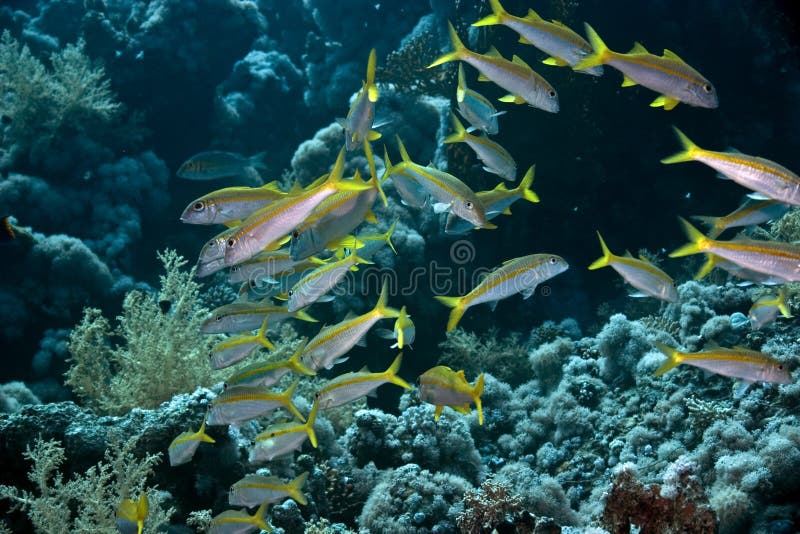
column 218, row 318
column 224, row 385
column 316, row 394
column 231, row 242
column 235, row 269
column 780, row 367
column 707, row 88
column 291, row 292
column 199, row 206
column 551, row 93
column 468, row 205
column 296, row 234
column 553, row 259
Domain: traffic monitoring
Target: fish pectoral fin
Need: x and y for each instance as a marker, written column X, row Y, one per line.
column 441, row 207
column 627, row 82
column 666, row 101
column 508, row 98
column 555, row 61
column 493, row 304
column 373, row 135
column 527, row 293
column 637, row 295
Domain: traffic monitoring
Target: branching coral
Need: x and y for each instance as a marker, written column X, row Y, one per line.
column 492, row 507
column 504, row 357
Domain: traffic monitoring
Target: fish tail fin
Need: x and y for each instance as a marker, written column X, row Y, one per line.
column 387, row 164
column 708, row 266
column 286, row 400
column 457, row 303
column 258, row 161
column 456, row 54
column 524, row 188
column 382, row 308
column 260, row 517
column 783, row 304
column 715, row 224
column 601, row 52
column 262, row 335
column 403, row 152
column 698, row 242
column 295, row 488
column 312, row 436
column 688, row 152
column 141, row 511
column 673, row 358
column 303, row 316
column 295, row 364
column 498, row 15
column 391, row 373
column 372, row 89
column 605, row 259
column 387, row 236
column 201, row 434
column 460, row 134
column 477, row 391
column 373, row 173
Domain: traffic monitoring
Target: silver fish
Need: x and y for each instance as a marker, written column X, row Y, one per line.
column 217, row 164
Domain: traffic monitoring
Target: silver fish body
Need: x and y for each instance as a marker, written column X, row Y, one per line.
column 216, row 164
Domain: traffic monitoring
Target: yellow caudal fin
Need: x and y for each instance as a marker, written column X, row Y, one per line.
column 294, row 489
column 286, row 401
column 697, row 241
column 260, row 517
column 461, row 89
column 673, row 358
column 459, row 50
column 372, row 89
column 460, row 133
column 605, row 259
column 498, row 15
column 295, row 364
column 387, row 236
column 715, row 224
column 382, row 308
column 524, row 188
column 477, row 391
column 201, row 434
column 312, row 436
column 457, row 303
column 782, row 303
column 387, row 164
column 373, row 180
column 687, row 154
column 601, row 52
column 261, row 337
column 708, row 266
column 391, row 373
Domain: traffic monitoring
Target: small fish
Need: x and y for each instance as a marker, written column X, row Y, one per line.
column 7, row 234
column 321, row 281
column 564, row 46
column 524, row 85
column 183, row 447
column 372, row 243
column 495, row 158
column 351, row 386
column 130, row 515
column 239, row 522
column 266, row 374
column 358, row 124
column 217, row 164
column 738, row 362
column 212, row 255
column 336, row 340
column 270, row 264
column 404, row 330
column 759, row 174
column 496, row 201
column 253, row 490
column 517, row 275
column 411, row 193
column 284, row 438
column 241, row 316
column 230, row 204
column 750, row 213
column 237, row 348
column 772, row 258
column 476, row 108
column 243, row 403
column 765, row 310
column 638, row 272
column 441, row 386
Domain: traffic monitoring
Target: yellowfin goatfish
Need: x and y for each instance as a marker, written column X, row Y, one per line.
column 496, row 201
column 351, row 386
column 253, row 490
column 495, row 158
column 516, row 77
column 266, row 374
column 316, row 284
column 217, row 164
column 564, row 46
column 404, row 330
column 411, row 193
column 769, row 257
column 358, row 124
column 638, row 272
column 750, row 213
column 240, row 522
column 450, row 193
column 130, row 515
column 518, row 275
column 270, row 264
column 183, row 447
column 372, row 243
column 475, row 107
column 270, row 223
column 748, row 365
column 750, row 276
column 765, row 309
column 212, row 255
column 668, row 74
column 230, row 204
column 336, row 340
column 284, row 438
column 441, row 386
column 759, row 174
column 240, row 316
column 237, row 348
column 244, row 403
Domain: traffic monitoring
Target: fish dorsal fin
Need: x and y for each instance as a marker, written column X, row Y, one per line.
column 501, row 187
column 364, row 369
column 532, row 15
column 460, row 374
column 493, row 52
column 558, row 23
column 627, row 254
column 644, row 259
column 483, row 78
column 518, row 61
column 712, row 345
column 350, row 315
column 739, row 347
column 638, row 48
column 672, row 55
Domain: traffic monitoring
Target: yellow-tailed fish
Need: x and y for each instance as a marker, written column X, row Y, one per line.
column 668, row 75
column 441, row 386
column 244, row 403
column 476, row 108
column 450, row 193
column 524, row 84
column 237, row 348
column 351, row 386
column 284, row 438
column 131, row 514
column 768, row 257
column 495, row 202
column 518, row 275
column 253, row 490
column 240, row 522
column 358, row 124
column 217, row 164
column 750, row 276
column 276, row 220
column 765, row 309
column 241, row 316
column 333, row 341
column 212, row 255
column 404, row 330
column 411, row 193
column 638, row 272
column 230, row 204
column 266, row 374
column 495, row 158
column 738, row 362
column 564, row 46
column 372, row 243
column 316, row 284
column 271, row 265
column 751, row 212
column 762, row 175
column 183, row 447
